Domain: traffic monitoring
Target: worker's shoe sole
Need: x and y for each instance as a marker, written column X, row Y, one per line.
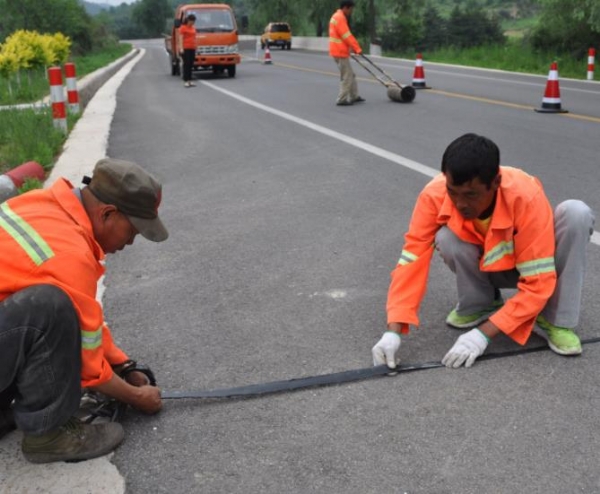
column 344, row 103
column 73, row 441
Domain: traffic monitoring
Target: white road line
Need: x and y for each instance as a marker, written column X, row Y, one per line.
column 369, row 148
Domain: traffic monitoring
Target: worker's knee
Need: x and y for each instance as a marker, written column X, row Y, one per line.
column 574, row 217
column 451, row 247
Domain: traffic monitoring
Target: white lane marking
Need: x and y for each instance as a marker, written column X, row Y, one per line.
column 369, row 148
column 395, row 158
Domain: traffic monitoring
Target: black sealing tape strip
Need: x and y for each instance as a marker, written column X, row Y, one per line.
column 335, row 378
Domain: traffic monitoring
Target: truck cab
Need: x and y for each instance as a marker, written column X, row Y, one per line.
column 217, row 36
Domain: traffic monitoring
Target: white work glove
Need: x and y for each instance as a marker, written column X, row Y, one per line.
column 384, row 352
column 467, row 348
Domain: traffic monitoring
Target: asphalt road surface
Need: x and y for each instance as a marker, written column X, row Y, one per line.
column 286, row 216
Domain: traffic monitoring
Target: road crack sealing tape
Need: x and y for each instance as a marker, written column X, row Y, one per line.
column 334, row 378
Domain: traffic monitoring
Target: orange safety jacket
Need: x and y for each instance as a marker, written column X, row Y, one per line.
column 520, row 235
column 46, row 238
column 340, row 37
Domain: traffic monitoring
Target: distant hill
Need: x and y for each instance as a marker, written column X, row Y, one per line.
column 95, row 8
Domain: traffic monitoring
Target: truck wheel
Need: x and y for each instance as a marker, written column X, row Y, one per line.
column 231, row 70
column 175, row 69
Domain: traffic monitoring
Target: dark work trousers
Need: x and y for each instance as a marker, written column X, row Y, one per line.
column 40, row 358
column 188, row 64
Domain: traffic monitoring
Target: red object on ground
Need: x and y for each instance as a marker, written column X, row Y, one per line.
column 31, row 169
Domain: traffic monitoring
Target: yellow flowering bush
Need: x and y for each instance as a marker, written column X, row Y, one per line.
column 34, row 50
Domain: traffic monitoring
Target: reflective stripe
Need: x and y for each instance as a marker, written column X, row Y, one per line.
column 90, row 340
column 333, row 21
column 347, row 35
column 30, row 241
column 406, row 258
column 335, row 40
column 539, row 266
column 498, row 252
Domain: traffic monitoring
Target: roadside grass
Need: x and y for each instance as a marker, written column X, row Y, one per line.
column 31, row 85
column 29, row 135
column 514, row 56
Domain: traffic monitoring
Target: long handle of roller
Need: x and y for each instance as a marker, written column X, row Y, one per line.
column 392, row 81
column 359, row 62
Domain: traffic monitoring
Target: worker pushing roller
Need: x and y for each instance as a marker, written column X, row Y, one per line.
column 342, row 46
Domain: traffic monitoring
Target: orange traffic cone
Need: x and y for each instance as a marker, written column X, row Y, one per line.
column 551, row 100
column 267, row 59
column 418, row 81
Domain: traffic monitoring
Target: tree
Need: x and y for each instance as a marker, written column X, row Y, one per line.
column 435, row 30
column 151, row 15
column 568, row 26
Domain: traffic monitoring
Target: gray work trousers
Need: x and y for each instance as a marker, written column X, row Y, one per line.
column 40, row 358
column 573, row 226
column 348, row 86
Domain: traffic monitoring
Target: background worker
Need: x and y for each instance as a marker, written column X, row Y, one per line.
column 186, row 41
column 341, row 41
column 53, row 338
column 494, row 228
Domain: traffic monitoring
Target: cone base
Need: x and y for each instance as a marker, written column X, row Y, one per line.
column 551, row 110
column 419, row 85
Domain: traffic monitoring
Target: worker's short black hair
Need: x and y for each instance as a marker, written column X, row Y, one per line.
column 190, row 17
column 471, row 156
column 346, row 3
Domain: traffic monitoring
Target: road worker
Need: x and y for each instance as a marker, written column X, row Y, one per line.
column 53, row 338
column 187, row 43
column 341, row 42
column 494, row 228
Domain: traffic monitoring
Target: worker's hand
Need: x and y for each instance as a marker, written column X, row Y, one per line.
column 467, row 348
column 386, row 350
column 359, row 52
column 147, row 399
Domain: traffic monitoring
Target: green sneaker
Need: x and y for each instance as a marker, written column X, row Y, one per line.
column 563, row 341
column 471, row 320
column 73, row 441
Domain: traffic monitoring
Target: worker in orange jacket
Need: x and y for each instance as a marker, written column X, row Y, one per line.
column 494, row 227
column 341, row 41
column 53, row 338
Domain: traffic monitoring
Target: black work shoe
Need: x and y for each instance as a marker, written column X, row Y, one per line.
column 73, row 441
column 344, row 103
column 7, row 422
column 359, row 99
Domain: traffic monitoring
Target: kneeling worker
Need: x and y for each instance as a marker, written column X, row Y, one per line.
column 494, row 228
column 53, row 338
